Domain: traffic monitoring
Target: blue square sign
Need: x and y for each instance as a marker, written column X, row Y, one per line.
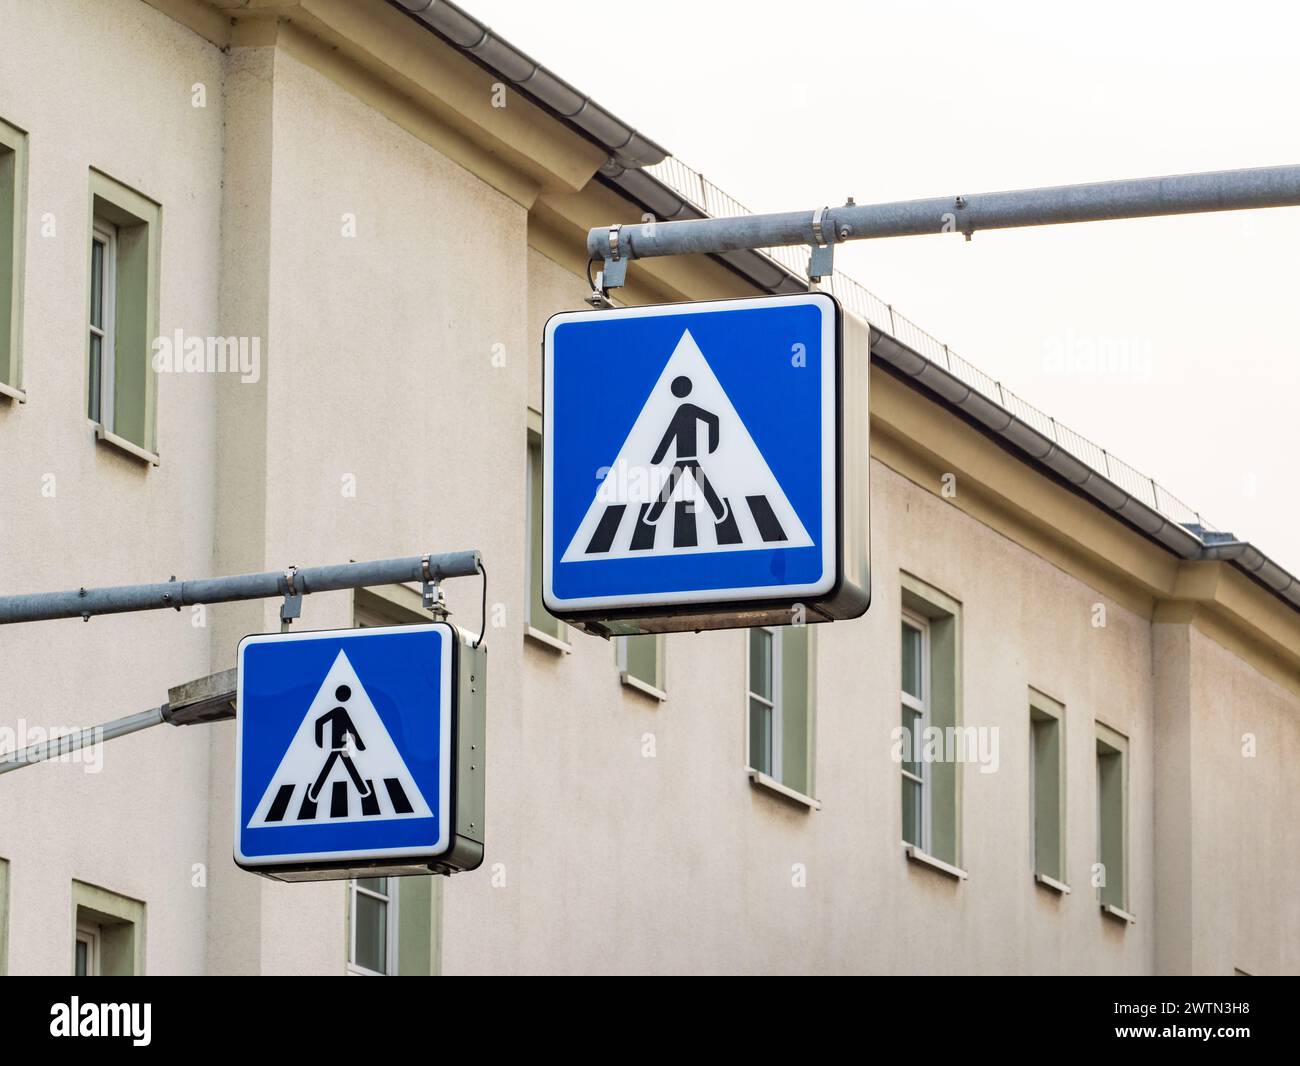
column 691, row 457
column 344, row 746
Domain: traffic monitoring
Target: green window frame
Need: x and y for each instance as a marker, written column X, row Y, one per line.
column 914, row 698
column 392, row 926
column 1112, row 819
column 108, row 931
column 122, row 316
column 780, row 702
column 1047, row 767
column 539, row 623
column 374, row 917
column 641, row 663
column 411, row 907
column 936, row 828
column 13, row 233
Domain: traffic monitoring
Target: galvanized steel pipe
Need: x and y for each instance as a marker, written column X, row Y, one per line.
column 1225, row 190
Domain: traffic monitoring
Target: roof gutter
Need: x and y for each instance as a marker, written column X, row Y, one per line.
column 1025, row 439
column 1246, row 557
column 458, row 28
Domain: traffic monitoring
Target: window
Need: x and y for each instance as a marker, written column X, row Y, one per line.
column 541, row 625
column 641, row 663
column 780, row 708
column 394, row 925
column 1112, row 820
column 930, row 716
column 915, row 719
column 108, row 933
column 85, row 959
column 4, row 917
column 764, row 714
column 13, row 215
column 122, row 316
column 373, row 921
column 1047, row 788
column 103, row 274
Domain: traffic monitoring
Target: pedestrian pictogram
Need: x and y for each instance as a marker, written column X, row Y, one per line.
column 341, row 763
column 688, row 478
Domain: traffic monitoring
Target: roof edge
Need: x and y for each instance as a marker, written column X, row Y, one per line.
column 627, row 147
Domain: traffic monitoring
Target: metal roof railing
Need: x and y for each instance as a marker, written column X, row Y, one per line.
column 693, row 186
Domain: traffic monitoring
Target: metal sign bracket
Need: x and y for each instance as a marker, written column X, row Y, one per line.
column 291, row 608
column 431, row 592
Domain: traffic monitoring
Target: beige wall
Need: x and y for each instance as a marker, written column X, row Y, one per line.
column 402, row 361
column 381, row 420
column 137, row 827
column 1244, row 827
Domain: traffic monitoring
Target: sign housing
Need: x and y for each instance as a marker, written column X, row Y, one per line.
column 360, row 752
column 704, row 466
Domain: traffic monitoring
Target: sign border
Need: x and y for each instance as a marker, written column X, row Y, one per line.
column 693, row 600
column 445, row 759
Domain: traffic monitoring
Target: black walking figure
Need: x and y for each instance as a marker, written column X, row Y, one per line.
column 682, row 429
column 341, row 727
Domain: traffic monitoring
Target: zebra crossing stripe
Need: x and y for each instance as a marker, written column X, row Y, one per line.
column 688, row 518
column 643, row 537
column 307, row 811
column 609, row 522
column 684, row 532
column 280, row 804
column 340, row 803
column 396, row 793
column 768, row 527
column 728, row 532
column 339, row 800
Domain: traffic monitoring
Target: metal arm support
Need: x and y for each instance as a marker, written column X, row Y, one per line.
column 177, row 594
column 56, row 747
column 198, row 702
column 1225, row 190
column 211, row 698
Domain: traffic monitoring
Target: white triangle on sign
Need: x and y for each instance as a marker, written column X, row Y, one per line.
column 755, row 513
column 354, row 745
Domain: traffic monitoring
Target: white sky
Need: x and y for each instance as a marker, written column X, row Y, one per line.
column 788, row 106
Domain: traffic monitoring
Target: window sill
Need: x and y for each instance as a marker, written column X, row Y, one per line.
column 1117, row 914
column 1059, row 887
column 915, row 854
column 554, row 643
column 13, row 392
column 761, row 780
column 134, row 450
column 642, row 686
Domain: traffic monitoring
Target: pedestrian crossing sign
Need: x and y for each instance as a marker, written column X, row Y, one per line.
column 692, row 462
column 346, row 749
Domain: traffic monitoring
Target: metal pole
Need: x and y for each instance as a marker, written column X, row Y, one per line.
column 1225, row 190
column 198, row 702
column 177, row 594
column 66, row 745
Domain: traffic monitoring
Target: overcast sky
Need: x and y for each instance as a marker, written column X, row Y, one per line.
column 789, row 106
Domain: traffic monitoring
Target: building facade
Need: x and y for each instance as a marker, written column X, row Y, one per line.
column 277, row 278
